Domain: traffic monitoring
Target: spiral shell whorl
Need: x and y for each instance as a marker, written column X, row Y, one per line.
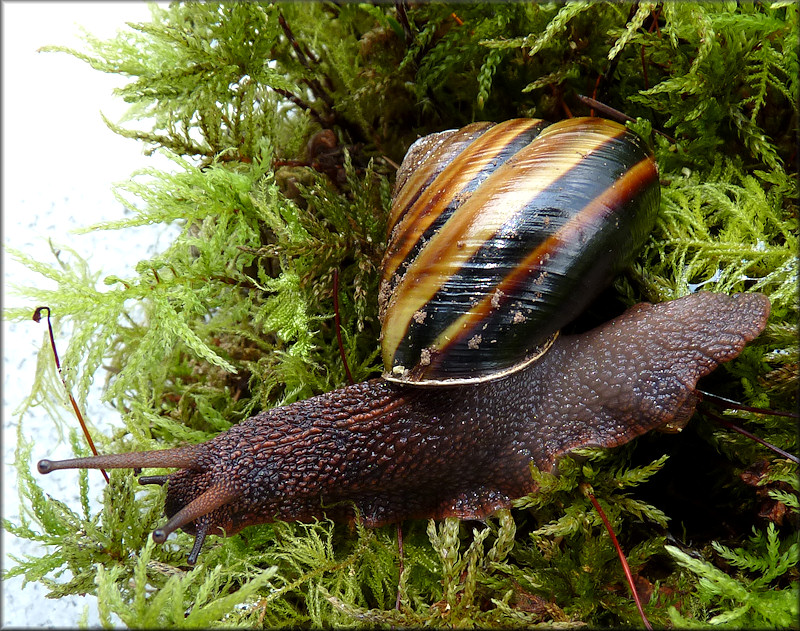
column 501, row 234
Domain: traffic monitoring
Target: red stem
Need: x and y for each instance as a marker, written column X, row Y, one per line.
column 625, row 567
column 744, row 432
column 735, row 405
column 37, row 316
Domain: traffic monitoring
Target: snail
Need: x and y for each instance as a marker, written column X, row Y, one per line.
column 499, row 236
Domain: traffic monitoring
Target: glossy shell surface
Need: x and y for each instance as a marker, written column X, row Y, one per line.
column 502, row 234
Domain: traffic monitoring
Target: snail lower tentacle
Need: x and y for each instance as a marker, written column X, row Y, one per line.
column 392, row 451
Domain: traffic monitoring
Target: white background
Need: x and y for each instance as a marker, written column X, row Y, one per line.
column 59, row 162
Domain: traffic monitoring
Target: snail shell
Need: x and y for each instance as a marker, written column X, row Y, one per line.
column 502, row 234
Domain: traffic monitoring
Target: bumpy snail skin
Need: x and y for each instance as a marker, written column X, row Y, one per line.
column 394, row 452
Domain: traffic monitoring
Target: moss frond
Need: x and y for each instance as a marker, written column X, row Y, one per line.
column 741, row 601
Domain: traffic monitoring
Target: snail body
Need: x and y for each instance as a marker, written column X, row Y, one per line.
column 461, row 412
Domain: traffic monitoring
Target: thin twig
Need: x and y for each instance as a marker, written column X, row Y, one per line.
column 301, row 104
column 301, row 57
column 606, row 109
column 337, row 325
column 615, row 114
column 401, row 554
column 644, row 69
column 313, row 84
column 402, row 17
column 735, row 405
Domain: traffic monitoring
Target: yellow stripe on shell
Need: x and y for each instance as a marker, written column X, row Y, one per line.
column 512, row 186
column 451, row 181
column 425, row 163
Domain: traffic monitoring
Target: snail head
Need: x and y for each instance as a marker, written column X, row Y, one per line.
column 198, row 500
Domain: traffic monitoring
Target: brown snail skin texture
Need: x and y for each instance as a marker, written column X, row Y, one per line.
column 396, row 452
column 390, row 451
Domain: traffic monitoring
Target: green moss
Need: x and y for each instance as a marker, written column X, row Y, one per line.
column 236, row 315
